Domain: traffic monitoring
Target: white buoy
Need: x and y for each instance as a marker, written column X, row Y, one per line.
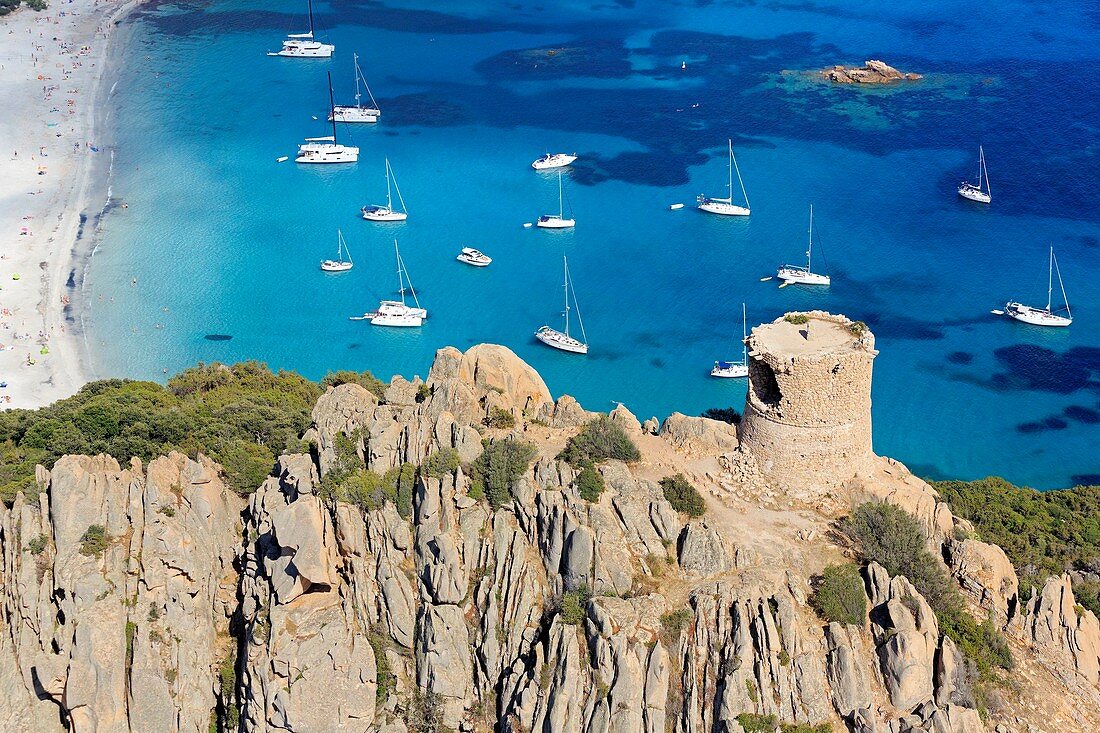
column 683, row 64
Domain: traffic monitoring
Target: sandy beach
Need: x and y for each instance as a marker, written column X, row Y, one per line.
column 54, row 76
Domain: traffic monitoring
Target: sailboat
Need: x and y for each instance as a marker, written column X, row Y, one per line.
column 798, row 275
column 1044, row 316
column 375, row 212
column 561, row 340
column 357, row 113
column 549, row 221
column 397, row 313
column 326, row 149
column 726, row 206
column 735, row 369
column 339, row 264
column 979, row 191
column 303, row 45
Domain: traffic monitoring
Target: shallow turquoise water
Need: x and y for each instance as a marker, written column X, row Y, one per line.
column 223, row 240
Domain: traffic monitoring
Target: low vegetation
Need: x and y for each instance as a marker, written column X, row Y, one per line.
column 7, row 6
column 499, row 418
column 573, row 606
column 887, row 535
column 797, row 319
column 725, row 414
column 839, row 596
column 1043, row 533
column 440, row 463
column 498, row 467
column 94, row 541
column 366, row 380
column 589, row 483
column 599, row 440
column 673, row 623
column 683, row 497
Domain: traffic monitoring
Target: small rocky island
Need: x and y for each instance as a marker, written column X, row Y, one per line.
column 872, row 72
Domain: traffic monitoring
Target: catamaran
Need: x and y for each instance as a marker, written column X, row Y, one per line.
column 799, row 275
column 979, row 191
column 357, row 113
column 735, row 369
column 554, row 160
column 561, row 340
column 303, row 45
column 397, row 313
column 726, row 206
column 474, row 257
column 339, row 264
column 326, row 149
column 1044, row 316
column 549, row 221
column 377, row 212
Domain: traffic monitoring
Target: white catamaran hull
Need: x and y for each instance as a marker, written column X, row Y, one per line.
column 797, row 276
column 1035, row 316
column 555, row 222
column 327, row 153
column 724, row 208
column 383, row 213
column 973, row 193
column 354, row 114
column 304, row 50
column 557, row 340
column 398, row 315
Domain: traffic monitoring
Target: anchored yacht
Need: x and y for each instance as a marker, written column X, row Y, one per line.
column 304, row 45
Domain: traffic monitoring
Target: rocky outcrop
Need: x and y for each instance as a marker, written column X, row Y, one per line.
column 1066, row 635
column 872, row 72
column 699, row 434
column 985, row 573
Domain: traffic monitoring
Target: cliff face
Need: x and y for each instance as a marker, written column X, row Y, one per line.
column 320, row 616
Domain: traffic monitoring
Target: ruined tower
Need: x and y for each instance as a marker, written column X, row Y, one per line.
column 807, row 418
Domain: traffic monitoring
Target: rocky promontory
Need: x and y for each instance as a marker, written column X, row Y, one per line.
column 383, row 579
column 872, row 72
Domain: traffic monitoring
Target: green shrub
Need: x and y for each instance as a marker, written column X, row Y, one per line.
column 246, row 464
column 589, row 483
column 574, row 605
column 366, row 380
column 683, row 496
column 500, row 464
column 500, row 418
column 674, row 622
column 94, row 541
column 228, row 713
column 753, row 723
column 857, row 328
column 599, row 440
column 725, row 414
column 423, row 392
column 38, row 544
column 839, row 596
column 797, row 319
column 387, row 682
column 398, row 485
column 440, row 463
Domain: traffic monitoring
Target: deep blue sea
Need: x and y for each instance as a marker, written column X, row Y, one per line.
column 223, row 240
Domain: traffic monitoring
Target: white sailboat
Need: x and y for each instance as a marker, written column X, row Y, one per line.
column 735, row 369
column 476, row 258
column 561, row 340
column 799, row 275
column 1044, row 316
column 725, row 206
column 326, row 149
column 554, row 160
column 377, row 212
column 549, row 221
column 357, row 112
column 303, row 45
column 979, row 191
column 339, row 264
column 397, row 313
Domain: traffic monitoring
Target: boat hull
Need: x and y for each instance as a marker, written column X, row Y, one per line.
column 381, row 213
column 554, row 222
column 561, row 160
column 1035, row 316
column 354, row 115
column 970, row 193
column 473, row 259
column 729, row 371
column 335, row 266
column 801, row 277
column 312, row 154
column 307, row 50
column 723, row 209
column 557, row 340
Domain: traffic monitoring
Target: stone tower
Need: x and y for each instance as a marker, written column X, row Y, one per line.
column 807, row 418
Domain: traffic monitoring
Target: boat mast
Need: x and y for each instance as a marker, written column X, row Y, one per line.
column 310, row 4
column 400, row 278
column 389, row 199
column 355, row 57
column 744, row 193
column 1050, row 277
column 985, row 172
column 565, row 287
column 1061, row 285
column 561, row 206
column 810, row 248
column 331, row 102
column 729, row 184
column 744, row 337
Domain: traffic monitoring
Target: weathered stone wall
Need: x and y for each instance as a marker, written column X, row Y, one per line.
column 807, row 419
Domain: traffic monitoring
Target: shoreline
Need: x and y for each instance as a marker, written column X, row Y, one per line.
column 48, row 193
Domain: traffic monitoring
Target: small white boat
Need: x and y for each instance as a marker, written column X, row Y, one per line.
column 378, row 212
column 395, row 313
column 725, row 206
column 356, row 112
column 326, row 149
column 554, row 160
column 675, row 207
column 561, row 340
column 282, row 159
column 979, row 191
column 339, row 264
column 799, row 275
column 735, row 369
column 549, row 221
column 471, row 256
column 1044, row 316
column 303, row 45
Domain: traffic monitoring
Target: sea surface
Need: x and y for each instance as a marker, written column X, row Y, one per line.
column 218, row 240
